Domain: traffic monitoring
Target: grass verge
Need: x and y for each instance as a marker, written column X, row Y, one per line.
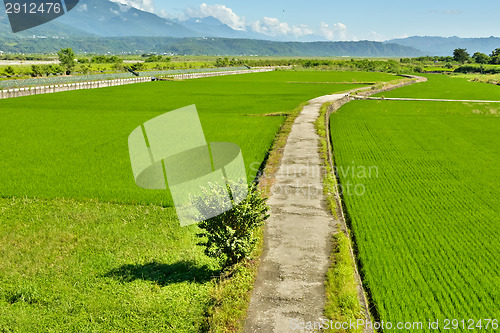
column 342, row 302
column 72, row 266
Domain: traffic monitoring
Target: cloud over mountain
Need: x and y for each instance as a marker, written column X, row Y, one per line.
column 222, row 13
column 337, row 31
column 273, row 27
column 146, row 5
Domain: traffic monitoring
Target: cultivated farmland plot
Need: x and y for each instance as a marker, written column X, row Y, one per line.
column 82, row 248
column 447, row 87
column 74, row 145
column 424, row 201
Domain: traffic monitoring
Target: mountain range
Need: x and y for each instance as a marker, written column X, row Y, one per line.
column 444, row 46
column 98, row 26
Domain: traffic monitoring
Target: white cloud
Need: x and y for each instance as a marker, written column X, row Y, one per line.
column 163, row 13
column 82, row 8
column 220, row 12
column 269, row 26
column 146, row 5
column 453, row 12
column 122, row 8
column 273, row 27
column 402, row 36
column 375, row 36
column 337, row 31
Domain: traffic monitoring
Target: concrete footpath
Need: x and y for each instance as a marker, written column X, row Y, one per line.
column 290, row 284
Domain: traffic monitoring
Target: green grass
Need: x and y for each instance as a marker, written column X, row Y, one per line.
column 342, row 301
column 438, row 69
column 340, row 77
column 487, row 78
column 74, row 144
column 426, row 220
column 447, row 87
column 342, row 305
column 71, row 266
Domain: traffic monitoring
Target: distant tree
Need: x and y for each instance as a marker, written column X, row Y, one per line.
column 115, row 60
column 154, row 58
column 56, row 69
column 51, row 69
column 67, row 59
column 495, row 57
column 36, row 70
column 461, row 55
column 480, row 58
column 222, row 62
column 85, row 68
column 495, row 53
column 9, row 70
column 446, row 59
column 139, row 66
column 495, row 60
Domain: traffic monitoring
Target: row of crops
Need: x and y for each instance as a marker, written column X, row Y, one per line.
column 426, row 219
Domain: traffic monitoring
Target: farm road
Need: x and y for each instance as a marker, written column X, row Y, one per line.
column 290, row 283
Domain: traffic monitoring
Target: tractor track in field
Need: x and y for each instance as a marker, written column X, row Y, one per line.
column 290, row 284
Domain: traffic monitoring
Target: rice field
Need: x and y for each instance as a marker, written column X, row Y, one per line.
column 421, row 186
column 74, row 144
column 82, row 248
column 441, row 86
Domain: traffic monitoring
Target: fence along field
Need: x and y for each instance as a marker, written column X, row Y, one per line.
column 71, row 262
column 427, row 224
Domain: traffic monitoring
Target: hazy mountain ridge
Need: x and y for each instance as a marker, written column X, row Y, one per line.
column 102, row 26
column 99, row 26
column 444, row 46
column 109, row 19
column 206, row 46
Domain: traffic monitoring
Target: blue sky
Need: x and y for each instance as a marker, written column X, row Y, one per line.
column 342, row 20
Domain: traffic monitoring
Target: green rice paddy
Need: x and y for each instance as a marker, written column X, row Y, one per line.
column 424, row 203
column 74, row 144
column 441, row 86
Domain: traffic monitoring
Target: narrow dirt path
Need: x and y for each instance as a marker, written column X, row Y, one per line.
column 290, row 284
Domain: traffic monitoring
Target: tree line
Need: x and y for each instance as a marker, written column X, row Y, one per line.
column 462, row 56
